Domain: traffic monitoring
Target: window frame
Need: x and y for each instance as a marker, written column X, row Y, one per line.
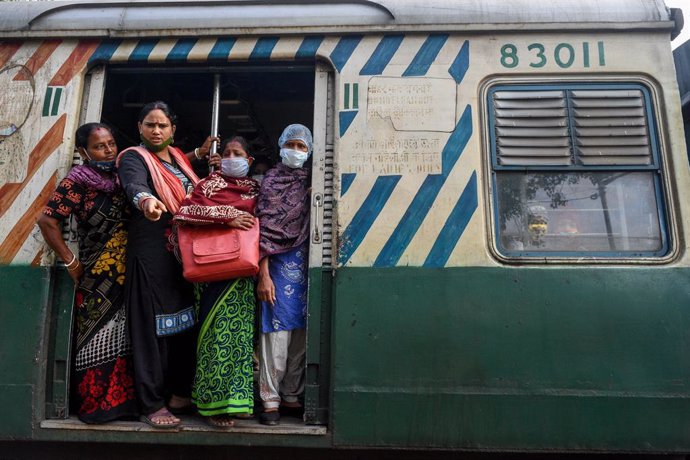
column 656, row 168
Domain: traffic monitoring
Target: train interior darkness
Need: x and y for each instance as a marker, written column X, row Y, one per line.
column 255, row 102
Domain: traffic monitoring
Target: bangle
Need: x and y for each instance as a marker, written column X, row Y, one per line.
column 73, row 268
column 196, row 153
column 71, row 261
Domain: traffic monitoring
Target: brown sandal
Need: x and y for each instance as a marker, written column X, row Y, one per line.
column 220, row 421
column 154, row 419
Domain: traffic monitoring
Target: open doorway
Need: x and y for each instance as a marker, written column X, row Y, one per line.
column 256, row 102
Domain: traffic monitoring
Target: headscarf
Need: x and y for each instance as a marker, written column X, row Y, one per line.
column 219, row 199
column 168, row 187
column 283, row 209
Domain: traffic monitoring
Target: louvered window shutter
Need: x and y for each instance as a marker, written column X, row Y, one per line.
column 571, row 127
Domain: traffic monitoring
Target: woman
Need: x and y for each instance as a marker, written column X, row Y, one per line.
column 156, row 178
column 223, row 384
column 103, row 387
column 283, row 210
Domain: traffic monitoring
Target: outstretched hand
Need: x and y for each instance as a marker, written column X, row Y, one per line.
column 153, row 209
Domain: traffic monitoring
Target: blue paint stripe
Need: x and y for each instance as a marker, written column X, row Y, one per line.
column 181, row 50
column 345, row 119
column 426, row 55
column 222, row 48
column 143, row 50
column 461, row 64
column 309, row 47
column 455, row 226
column 382, row 55
column 346, row 180
column 263, row 48
column 366, row 215
column 105, row 51
column 426, row 195
column 343, row 50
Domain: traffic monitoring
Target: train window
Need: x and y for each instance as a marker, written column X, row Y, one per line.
column 576, row 172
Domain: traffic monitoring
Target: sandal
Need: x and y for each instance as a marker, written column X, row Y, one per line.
column 155, row 419
column 220, row 421
column 270, row 418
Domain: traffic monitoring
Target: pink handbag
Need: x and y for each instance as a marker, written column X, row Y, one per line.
column 218, row 252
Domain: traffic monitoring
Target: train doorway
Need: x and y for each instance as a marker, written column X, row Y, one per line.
column 256, row 102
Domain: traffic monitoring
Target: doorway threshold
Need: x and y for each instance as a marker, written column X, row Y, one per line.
column 191, row 424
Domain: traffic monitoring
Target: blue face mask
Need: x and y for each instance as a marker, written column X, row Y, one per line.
column 234, row 167
column 293, row 158
column 104, row 166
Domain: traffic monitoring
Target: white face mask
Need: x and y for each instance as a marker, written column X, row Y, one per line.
column 293, row 158
column 234, row 167
column 258, row 177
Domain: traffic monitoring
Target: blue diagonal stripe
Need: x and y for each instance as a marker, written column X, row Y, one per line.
column 459, row 67
column 181, row 50
column 382, row 55
column 143, row 50
column 346, row 180
column 426, row 55
column 263, row 48
column 455, row 226
column 309, row 47
column 366, row 215
column 426, row 195
column 343, row 50
column 221, row 49
column 345, row 119
column 105, row 51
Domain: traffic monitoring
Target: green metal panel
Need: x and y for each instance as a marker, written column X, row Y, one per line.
column 59, row 343
column 25, row 293
column 512, row 358
column 316, row 394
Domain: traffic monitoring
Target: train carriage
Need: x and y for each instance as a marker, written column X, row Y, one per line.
column 498, row 231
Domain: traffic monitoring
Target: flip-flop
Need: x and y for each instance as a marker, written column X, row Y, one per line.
column 150, row 420
column 220, row 421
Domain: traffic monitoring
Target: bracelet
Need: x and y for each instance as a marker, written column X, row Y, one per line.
column 196, row 153
column 71, row 261
column 73, row 268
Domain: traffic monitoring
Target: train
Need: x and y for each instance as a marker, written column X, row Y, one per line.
column 498, row 246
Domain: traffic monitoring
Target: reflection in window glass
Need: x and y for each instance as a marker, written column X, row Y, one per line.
column 593, row 211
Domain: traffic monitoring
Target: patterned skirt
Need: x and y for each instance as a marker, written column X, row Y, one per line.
column 223, row 383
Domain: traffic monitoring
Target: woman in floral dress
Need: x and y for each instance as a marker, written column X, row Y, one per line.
column 102, row 377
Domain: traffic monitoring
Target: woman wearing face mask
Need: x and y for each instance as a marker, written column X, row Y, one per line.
column 156, row 178
column 223, row 384
column 283, row 210
column 103, row 384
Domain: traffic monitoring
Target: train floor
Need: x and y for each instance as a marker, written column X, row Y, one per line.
column 194, row 423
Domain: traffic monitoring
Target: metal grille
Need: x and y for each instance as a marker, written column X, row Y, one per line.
column 577, row 127
column 328, row 211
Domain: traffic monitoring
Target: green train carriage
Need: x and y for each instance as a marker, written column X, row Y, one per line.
column 498, row 245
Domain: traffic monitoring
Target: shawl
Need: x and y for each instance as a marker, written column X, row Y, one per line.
column 283, row 209
column 89, row 178
column 168, row 187
column 219, row 199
